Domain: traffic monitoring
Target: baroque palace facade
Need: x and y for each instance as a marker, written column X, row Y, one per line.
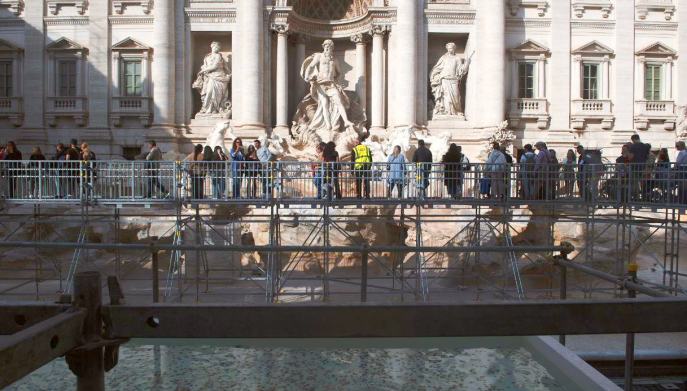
column 116, row 73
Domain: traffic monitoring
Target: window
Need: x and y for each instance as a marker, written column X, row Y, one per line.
column 526, row 80
column 66, row 82
column 590, row 81
column 131, row 78
column 5, row 79
column 652, row 81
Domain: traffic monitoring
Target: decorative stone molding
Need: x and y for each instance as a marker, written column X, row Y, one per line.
column 119, row 5
column 657, row 49
column 378, row 29
column 593, row 48
column 435, row 16
column 55, row 5
column 516, row 23
column 580, row 6
column 66, row 21
column 334, row 28
column 211, row 15
column 656, row 26
column 529, row 48
column 540, row 5
column 15, row 6
column 592, row 25
column 362, row 38
column 131, row 20
column 665, row 6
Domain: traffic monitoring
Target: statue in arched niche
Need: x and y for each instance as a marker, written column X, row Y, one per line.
column 327, row 112
column 446, row 80
column 213, row 83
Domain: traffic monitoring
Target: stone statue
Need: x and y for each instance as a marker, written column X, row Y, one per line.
column 213, row 83
column 446, row 79
column 327, row 111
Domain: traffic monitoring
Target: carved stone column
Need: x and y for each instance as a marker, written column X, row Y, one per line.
column 249, row 71
column 377, row 82
column 623, row 68
column 360, row 41
column 492, row 61
column 299, row 87
column 164, row 63
column 282, row 77
column 681, row 66
column 407, row 30
column 559, row 97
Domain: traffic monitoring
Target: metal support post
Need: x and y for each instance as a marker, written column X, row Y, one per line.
column 155, row 269
column 630, row 337
column 88, row 364
column 363, row 278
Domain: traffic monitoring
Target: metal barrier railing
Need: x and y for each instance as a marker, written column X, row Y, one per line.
column 661, row 184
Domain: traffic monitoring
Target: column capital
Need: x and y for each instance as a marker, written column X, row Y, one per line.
column 280, row 28
column 379, row 29
column 359, row 39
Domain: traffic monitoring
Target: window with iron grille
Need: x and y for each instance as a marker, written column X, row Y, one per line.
column 590, row 81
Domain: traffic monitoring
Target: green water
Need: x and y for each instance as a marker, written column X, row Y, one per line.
column 379, row 364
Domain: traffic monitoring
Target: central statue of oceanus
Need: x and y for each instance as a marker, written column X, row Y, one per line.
column 327, row 112
column 446, row 80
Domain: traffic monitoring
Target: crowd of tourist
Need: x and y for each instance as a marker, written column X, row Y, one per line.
column 639, row 173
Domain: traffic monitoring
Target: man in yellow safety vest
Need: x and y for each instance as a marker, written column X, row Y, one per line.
column 361, row 156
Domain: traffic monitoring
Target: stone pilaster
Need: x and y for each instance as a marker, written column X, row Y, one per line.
column 250, row 70
column 282, row 92
column 99, row 63
column 34, row 61
column 164, row 61
column 406, row 56
column 624, row 66
column 560, row 95
column 491, row 53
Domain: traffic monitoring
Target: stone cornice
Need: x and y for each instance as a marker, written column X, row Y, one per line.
column 211, row 15
column 514, row 23
column 11, row 22
column 115, row 19
column 382, row 16
column 66, row 21
column 437, row 16
column 656, row 26
column 592, row 25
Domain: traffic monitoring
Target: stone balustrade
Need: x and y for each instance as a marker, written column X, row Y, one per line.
column 131, row 106
column 66, row 106
column 12, row 108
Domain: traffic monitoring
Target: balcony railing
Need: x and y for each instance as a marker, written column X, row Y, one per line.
column 655, row 108
column 592, row 107
column 67, row 105
column 131, row 106
column 528, row 107
column 11, row 105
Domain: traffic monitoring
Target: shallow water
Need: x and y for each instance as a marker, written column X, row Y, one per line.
column 299, row 365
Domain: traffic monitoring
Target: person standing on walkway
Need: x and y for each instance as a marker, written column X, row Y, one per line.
column 238, row 158
column 496, row 166
column 265, row 157
column 13, row 156
column 527, row 173
column 396, row 163
column 362, row 168
column 196, row 172
column 152, row 168
column 453, row 171
column 423, row 164
column 330, row 159
column 36, row 168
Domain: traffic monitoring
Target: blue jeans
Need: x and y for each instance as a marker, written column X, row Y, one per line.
column 317, row 181
column 219, row 186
